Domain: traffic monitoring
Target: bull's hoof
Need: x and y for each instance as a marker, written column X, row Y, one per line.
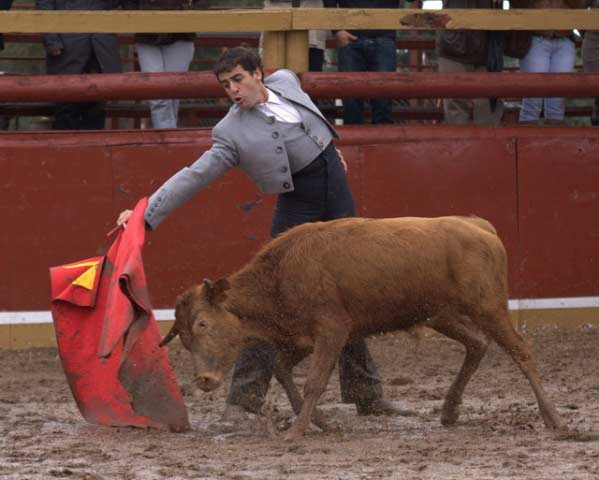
column 553, row 421
column 449, row 417
column 293, row 435
column 234, row 413
column 235, row 419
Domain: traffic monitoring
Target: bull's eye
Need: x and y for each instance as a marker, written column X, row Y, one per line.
column 199, row 326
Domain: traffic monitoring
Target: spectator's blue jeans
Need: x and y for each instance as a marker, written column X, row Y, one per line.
column 174, row 57
column 368, row 55
column 547, row 55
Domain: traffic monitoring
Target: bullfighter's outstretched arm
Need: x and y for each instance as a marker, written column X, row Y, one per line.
column 190, row 180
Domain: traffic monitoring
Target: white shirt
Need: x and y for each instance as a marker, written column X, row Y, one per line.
column 279, row 108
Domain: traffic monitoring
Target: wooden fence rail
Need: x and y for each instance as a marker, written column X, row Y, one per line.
column 141, row 86
column 69, row 21
column 286, row 30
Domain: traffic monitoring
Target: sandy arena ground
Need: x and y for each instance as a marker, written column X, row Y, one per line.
column 498, row 436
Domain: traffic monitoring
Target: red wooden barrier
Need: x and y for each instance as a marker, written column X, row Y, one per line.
column 61, row 193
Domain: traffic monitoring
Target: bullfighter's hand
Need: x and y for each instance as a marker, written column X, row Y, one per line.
column 344, row 38
column 342, row 159
column 124, row 218
column 55, row 52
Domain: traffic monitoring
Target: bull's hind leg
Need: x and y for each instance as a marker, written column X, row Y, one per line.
column 476, row 343
column 283, row 371
column 502, row 331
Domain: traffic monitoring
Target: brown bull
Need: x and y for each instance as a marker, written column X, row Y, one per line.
column 320, row 285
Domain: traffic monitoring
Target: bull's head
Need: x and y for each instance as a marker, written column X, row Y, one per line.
column 208, row 331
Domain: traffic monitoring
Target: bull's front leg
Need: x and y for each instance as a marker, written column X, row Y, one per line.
column 327, row 348
column 283, row 371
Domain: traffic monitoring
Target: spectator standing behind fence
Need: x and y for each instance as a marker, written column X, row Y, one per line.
column 316, row 38
column 467, row 51
column 4, row 120
column 590, row 58
column 164, row 52
column 4, row 5
column 551, row 51
column 77, row 53
column 366, row 51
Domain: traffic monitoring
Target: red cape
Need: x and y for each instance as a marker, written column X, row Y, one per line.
column 108, row 338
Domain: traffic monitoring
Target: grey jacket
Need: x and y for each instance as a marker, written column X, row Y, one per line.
column 248, row 139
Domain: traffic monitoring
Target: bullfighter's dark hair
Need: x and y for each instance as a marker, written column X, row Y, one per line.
column 246, row 58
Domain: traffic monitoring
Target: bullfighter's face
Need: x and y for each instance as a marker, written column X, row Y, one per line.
column 244, row 88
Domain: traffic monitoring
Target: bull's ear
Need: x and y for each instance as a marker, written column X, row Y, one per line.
column 215, row 292
column 220, row 287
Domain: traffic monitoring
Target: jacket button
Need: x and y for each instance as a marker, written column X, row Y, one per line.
column 275, row 134
column 284, row 169
column 279, row 149
column 321, row 145
column 286, row 185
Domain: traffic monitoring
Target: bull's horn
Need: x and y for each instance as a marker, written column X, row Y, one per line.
column 173, row 332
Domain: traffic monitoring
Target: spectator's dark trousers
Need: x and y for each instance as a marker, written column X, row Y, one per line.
column 4, row 5
column 377, row 54
column 81, row 56
column 315, row 59
column 321, row 193
column 81, row 115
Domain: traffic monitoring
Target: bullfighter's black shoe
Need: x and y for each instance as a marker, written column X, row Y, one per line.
column 236, row 419
column 234, row 413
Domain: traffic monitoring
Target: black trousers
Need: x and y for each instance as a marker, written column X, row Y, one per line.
column 315, row 59
column 321, row 193
column 81, row 115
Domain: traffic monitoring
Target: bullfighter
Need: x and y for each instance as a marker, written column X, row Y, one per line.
column 278, row 136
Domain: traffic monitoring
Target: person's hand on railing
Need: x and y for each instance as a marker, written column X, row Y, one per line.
column 55, row 52
column 344, row 38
